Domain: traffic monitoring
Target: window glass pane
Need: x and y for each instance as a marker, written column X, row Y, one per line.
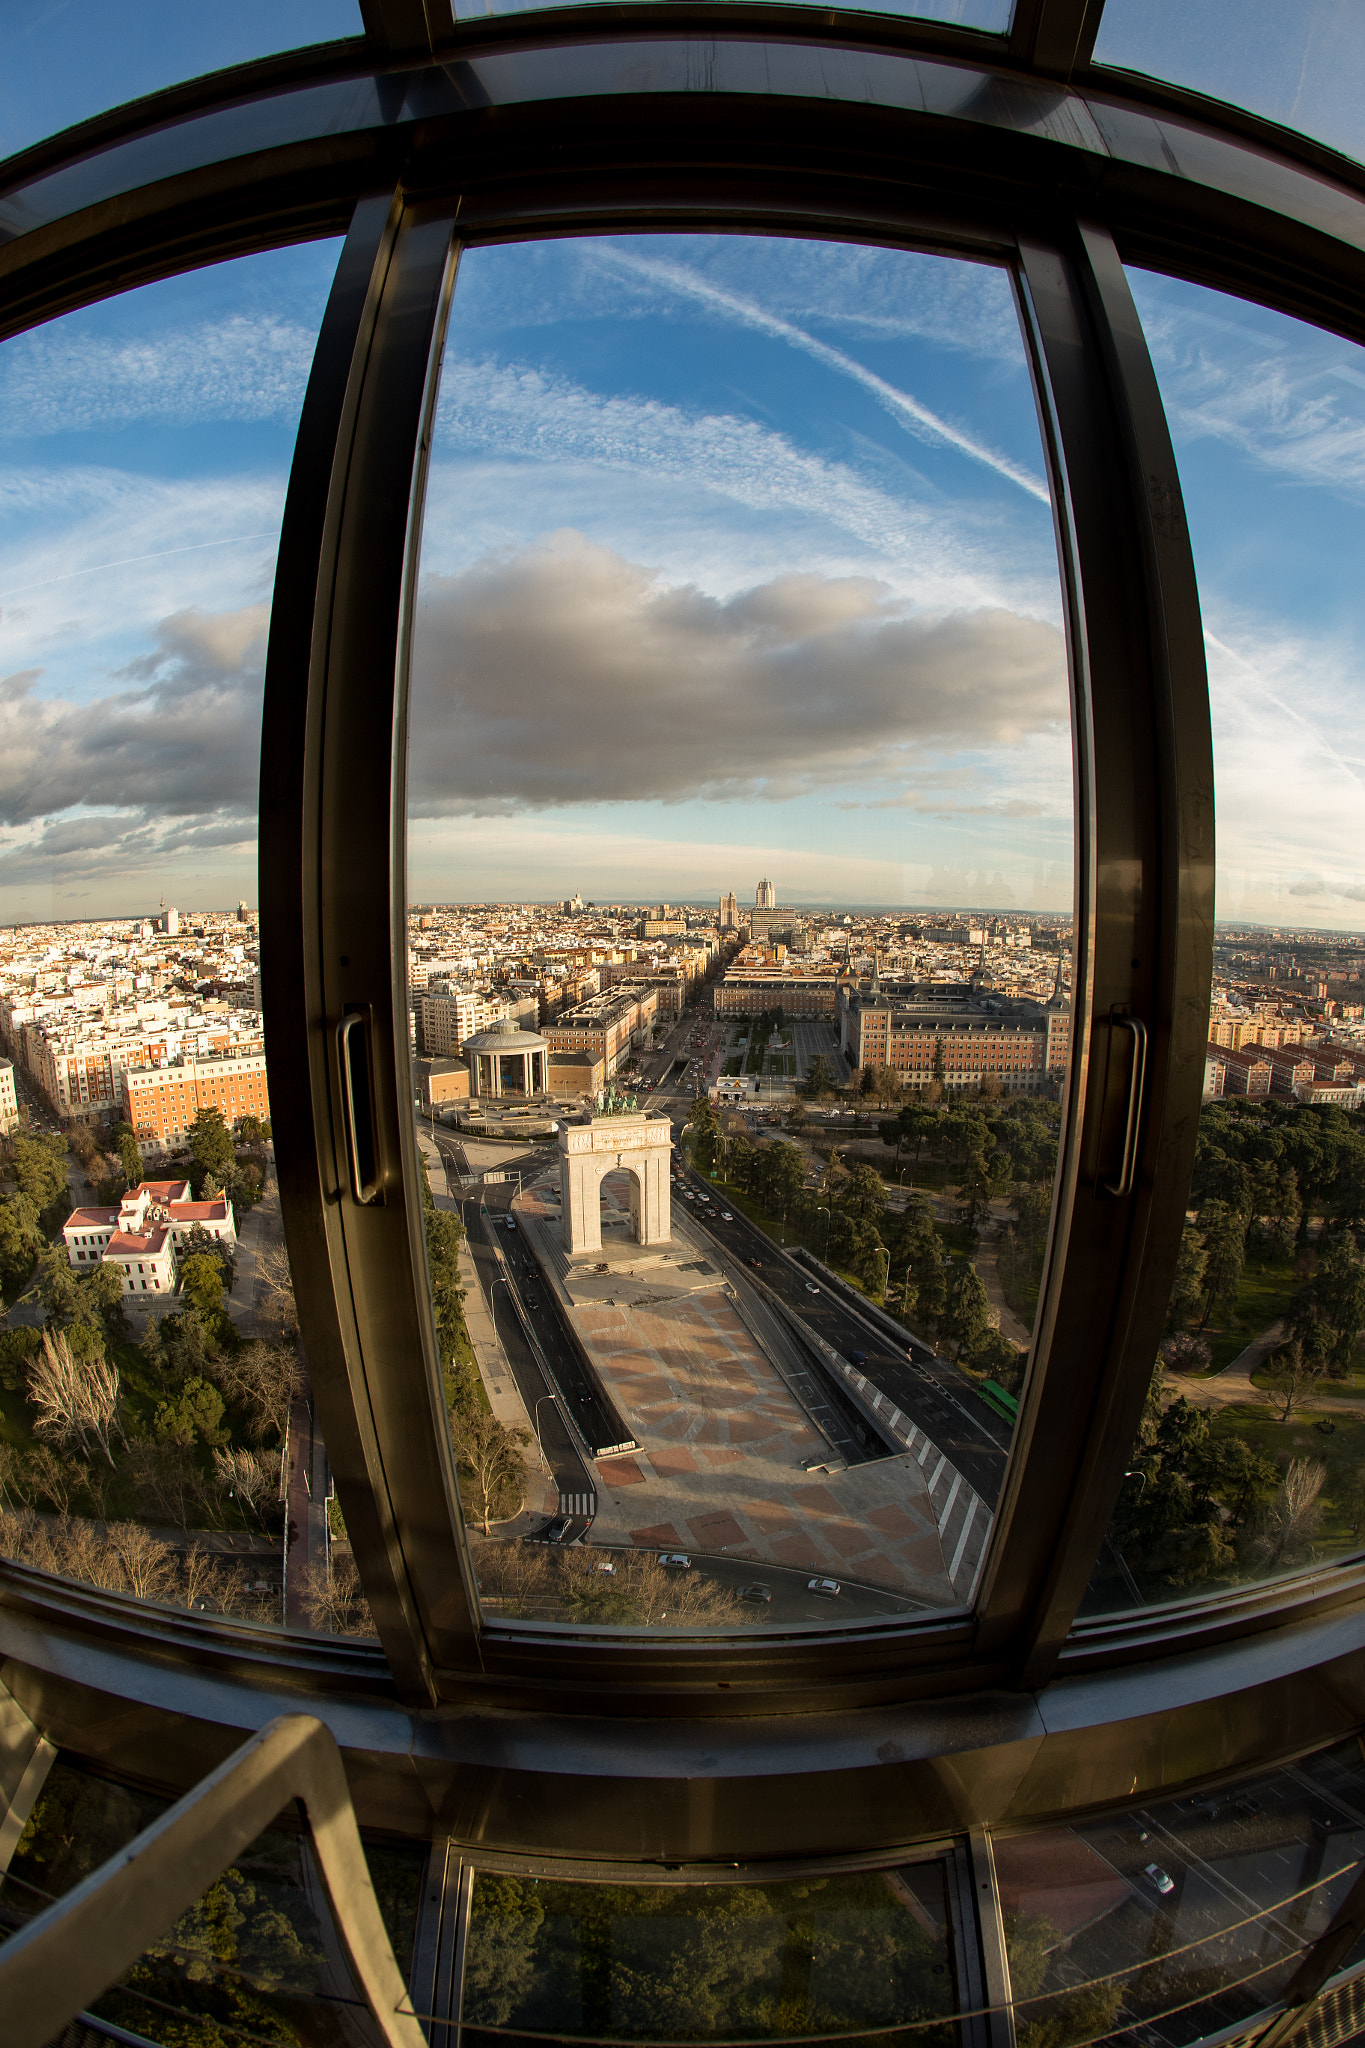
column 259, row 1957
column 63, row 60
column 1303, row 66
column 1251, row 1460
column 1172, row 1922
column 990, row 16
column 740, row 869
column 149, row 1372
column 724, row 1962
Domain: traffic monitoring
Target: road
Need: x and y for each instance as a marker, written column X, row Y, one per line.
column 927, row 1388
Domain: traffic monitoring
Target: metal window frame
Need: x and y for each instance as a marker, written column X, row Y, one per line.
column 909, row 146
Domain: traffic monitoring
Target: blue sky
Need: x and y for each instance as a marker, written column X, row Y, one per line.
column 738, row 560
column 62, row 61
column 1268, row 420
column 145, row 446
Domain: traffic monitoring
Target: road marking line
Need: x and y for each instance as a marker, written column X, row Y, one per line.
column 953, row 1492
column 942, row 1461
column 967, row 1521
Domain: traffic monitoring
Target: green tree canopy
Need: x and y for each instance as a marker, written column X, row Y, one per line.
column 210, row 1148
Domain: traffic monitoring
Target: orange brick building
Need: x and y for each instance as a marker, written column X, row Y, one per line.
column 161, row 1102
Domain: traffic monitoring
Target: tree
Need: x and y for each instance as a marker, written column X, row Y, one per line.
column 21, row 1240
column 194, row 1416
column 491, row 1457
column 820, row 1078
column 76, row 1393
column 1291, row 1519
column 1338, row 1291
column 1187, row 1289
column 967, row 1309
column 130, row 1158
column 1225, row 1234
column 38, row 1168
column 863, row 1193
column 1292, row 1372
column 200, row 1243
column 201, row 1284
column 211, row 1150
column 261, row 1379
column 939, row 1065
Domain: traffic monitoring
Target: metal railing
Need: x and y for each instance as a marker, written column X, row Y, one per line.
column 82, row 1943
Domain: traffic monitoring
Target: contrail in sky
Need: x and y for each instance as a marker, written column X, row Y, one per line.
column 126, row 561
column 899, row 403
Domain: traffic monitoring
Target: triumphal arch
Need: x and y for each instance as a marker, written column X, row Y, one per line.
column 638, row 1142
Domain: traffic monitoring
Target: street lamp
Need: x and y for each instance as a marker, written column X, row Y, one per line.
column 535, row 1419
column 821, row 1210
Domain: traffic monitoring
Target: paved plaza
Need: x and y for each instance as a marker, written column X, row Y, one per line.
column 727, row 1454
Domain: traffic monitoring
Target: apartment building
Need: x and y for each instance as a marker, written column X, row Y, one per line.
column 162, row 1101
column 609, row 1026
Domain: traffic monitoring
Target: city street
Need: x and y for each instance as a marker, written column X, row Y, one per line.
column 927, row 1388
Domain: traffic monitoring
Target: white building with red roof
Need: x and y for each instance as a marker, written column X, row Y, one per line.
column 140, row 1236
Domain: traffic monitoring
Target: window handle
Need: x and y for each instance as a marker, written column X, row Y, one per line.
column 358, row 1104
column 1122, row 1184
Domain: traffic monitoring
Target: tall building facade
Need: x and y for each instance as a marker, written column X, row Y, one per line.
column 765, row 896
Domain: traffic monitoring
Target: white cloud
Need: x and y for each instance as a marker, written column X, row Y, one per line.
column 566, row 674
column 59, row 381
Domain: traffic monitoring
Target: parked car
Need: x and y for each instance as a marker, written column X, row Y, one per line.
column 557, row 1530
column 756, row 1595
column 1158, row 1877
column 607, row 1566
column 675, row 1561
column 828, row 1589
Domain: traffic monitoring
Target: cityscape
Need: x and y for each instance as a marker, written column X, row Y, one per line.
column 764, row 1361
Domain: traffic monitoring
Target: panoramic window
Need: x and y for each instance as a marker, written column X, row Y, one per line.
column 1303, row 66
column 990, row 16
column 155, row 1430
column 740, row 922
column 1251, row 1456
column 1174, row 1921
column 825, row 1955
column 66, row 60
column 257, row 1958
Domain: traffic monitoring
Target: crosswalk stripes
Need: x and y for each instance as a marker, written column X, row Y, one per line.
column 578, row 1504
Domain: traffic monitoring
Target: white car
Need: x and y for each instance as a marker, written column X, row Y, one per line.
column 726, row 1217
column 811, row 1287
column 675, row 1561
column 828, row 1589
column 1158, row 1877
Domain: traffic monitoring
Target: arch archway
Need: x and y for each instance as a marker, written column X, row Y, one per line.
column 590, row 1148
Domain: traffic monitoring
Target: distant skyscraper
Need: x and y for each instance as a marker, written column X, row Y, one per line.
column 729, row 912
column 243, row 914
column 765, row 897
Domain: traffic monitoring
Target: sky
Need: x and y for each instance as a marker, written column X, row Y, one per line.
column 145, row 446
column 1268, row 421
column 738, row 561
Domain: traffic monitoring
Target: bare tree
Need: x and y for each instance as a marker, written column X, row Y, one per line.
column 253, row 1476
column 76, row 1394
column 1290, row 1521
column 335, row 1598
column 493, row 1459
column 148, row 1564
column 275, row 1309
column 262, row 1380
column 1293, row 1372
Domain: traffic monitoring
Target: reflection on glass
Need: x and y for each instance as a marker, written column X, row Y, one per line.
column 824, row 1955
column 70, row 59
column 1251, row 1459
column 156, row 1432
column 740, row 912
column 257, row 1958
column 990, row 16
column 1303, row 66
column 1169, row 1923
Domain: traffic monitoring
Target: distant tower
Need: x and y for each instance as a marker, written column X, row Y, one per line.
column 243, row 914
column 765, row 897
column 729, row 912
column 876, row 974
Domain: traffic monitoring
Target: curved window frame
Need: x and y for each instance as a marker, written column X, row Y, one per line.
column 543, row 127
